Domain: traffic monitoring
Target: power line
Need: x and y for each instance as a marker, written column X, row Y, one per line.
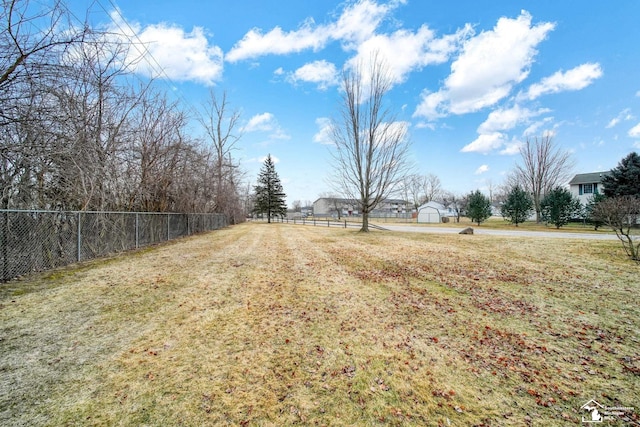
column 132, row 36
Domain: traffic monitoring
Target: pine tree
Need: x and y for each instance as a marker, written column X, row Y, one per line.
column 478, row 207
column 559, row 206
column 518, row 206
column 589, row 209
column 269, row 195
column 624, row 180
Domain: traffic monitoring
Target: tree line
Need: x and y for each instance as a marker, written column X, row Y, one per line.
column 79, row 132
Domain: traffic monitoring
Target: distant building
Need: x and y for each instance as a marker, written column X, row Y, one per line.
column 585, row 185
column 434, row 212
column 334, row 206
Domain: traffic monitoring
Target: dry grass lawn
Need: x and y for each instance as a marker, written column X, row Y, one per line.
column 276, row 324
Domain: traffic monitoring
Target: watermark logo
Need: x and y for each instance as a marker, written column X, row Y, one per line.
column 594, row 412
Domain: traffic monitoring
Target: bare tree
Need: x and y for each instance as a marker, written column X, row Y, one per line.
column 30, row 43
column 621, row 214
column 370, row 156
column 432, row 188
column 544, row 166
column 491, row 189
column 161, row 153
column 220, row 127
column 95, row 107
column 77, row 133
column 454, row 202
column 30, row 49
column 412, row 190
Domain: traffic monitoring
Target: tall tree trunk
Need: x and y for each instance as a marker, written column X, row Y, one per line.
column 365, row 222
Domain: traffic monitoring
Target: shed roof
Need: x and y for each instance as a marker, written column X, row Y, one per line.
column 588, row 178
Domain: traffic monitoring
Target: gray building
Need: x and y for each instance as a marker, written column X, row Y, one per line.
column 334, row 206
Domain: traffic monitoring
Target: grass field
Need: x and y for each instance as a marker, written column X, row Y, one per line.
column 276, row 324
column 497, row 223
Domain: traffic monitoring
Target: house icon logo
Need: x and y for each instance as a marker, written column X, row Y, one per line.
column 592, row 412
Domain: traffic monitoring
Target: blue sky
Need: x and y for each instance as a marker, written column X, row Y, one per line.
column 471, row 79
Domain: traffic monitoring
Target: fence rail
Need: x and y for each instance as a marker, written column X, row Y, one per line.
column 322, row 222
column 33, row 240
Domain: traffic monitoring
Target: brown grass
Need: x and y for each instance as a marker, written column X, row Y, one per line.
column 496, row 223
column 276, row 324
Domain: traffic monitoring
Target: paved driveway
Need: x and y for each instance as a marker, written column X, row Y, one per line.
column 513, row 233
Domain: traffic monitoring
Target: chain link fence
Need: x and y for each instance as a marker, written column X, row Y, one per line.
column 33, row 241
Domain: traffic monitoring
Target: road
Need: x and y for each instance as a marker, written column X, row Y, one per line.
column 513, row 233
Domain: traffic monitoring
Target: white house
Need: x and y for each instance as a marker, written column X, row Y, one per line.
column 585, row 185
column 433, row 212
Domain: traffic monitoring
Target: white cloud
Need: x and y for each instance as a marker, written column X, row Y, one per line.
column 359, row 22
column 634, row 132
column 485, row 143
column 505, row 119
column 426, row 125
column 322, row 73
column 169, row 51
column 323, row 136
column 355, row 28
column 613, row 122
column 260, row 122
column 266, row 122
column 405, row 51
column 276, row 41
column 533, row 128
column 491, row 132
column 488, row 67
column 482, row 169
column 429, row 106
column 511, row 148
column 623, row 115
column 575, row 79
column 356, row 23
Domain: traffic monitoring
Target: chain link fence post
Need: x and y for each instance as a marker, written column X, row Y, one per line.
column 79, row 237
column 4, row 238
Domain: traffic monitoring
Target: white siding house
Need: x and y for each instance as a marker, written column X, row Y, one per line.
column 585, row 185
column 433, row 212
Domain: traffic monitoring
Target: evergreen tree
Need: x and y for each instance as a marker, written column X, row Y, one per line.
column 624, row 180
column 518, row 206
column 269, row 195
column 559, row 206
column 478, row 207
column 589, row 210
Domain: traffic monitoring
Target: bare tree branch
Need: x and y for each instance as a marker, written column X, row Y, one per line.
column 370, row 156
column 544, row 166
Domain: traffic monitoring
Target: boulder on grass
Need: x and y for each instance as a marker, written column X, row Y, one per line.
column 467, row 230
